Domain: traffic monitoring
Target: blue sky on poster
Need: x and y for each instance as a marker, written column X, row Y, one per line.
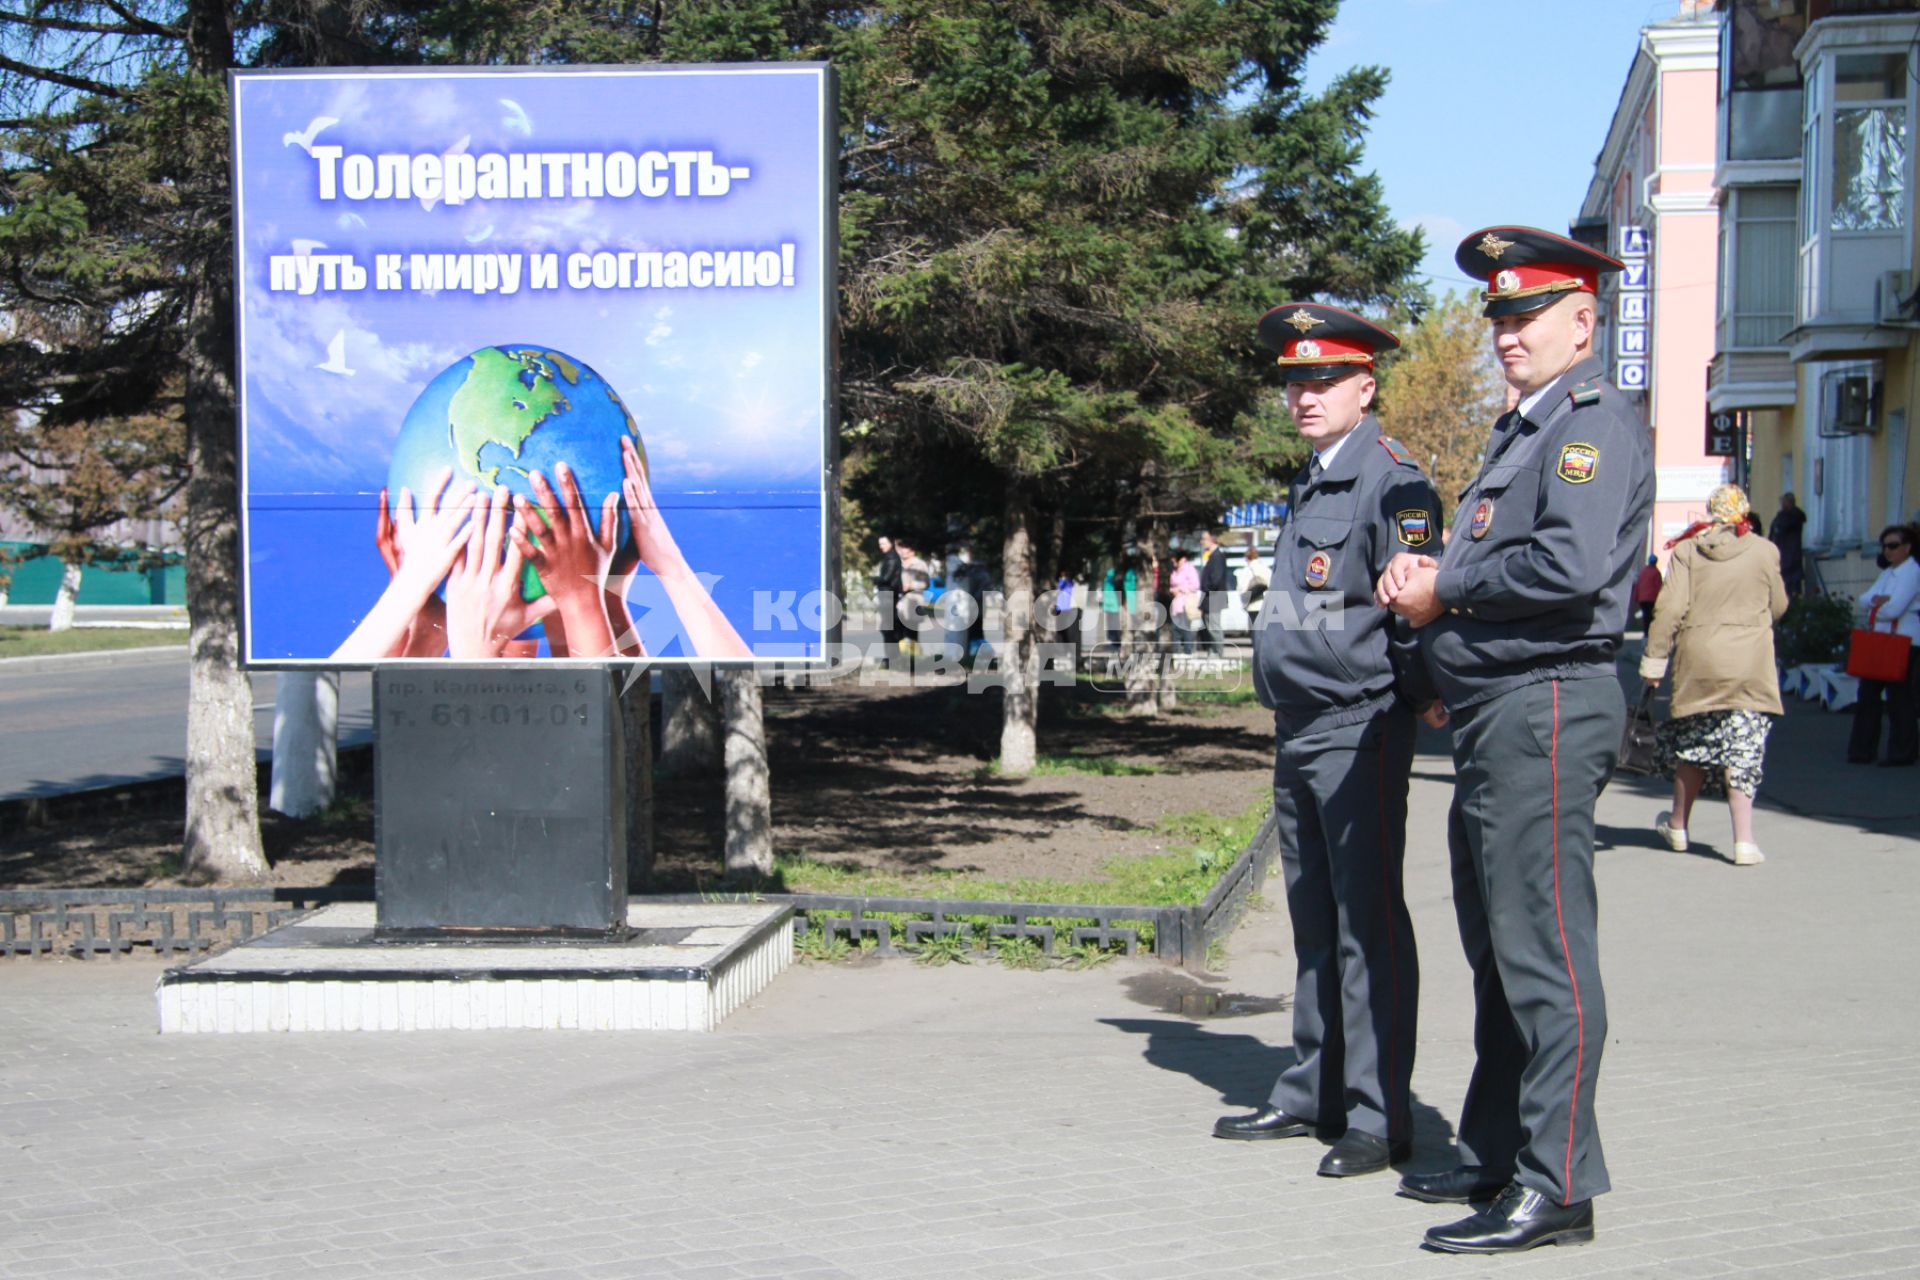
column 724, row 384
column 1496, row 108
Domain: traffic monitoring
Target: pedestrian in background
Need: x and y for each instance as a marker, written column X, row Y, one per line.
column 1646, row 590
column 886, row 585
column 1788, row 522
column 1186, row 602
column 915, row 577
column 1714, row 626
column 1215, row 582
column 1892, row 603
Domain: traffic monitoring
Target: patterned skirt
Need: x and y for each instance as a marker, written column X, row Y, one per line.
column 1732, row 740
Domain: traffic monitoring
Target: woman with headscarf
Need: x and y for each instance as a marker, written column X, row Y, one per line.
column 1714, row 624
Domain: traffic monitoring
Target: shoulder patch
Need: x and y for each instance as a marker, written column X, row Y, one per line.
column 1584, row 393
column 1415, row 529
column 1579, row 463
column 1397, row 451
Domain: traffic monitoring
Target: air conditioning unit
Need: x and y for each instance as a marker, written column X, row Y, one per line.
column 1850, row 405
column 1896, row 301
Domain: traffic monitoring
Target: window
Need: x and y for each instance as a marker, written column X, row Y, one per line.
column 1757, row 259
column 1759, row 78
column 1869, row 142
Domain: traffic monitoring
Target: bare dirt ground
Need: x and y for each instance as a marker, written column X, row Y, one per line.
column 896, row 779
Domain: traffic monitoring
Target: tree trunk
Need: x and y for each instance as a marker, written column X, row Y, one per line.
column 63, row 599
column 689, row 722
column 222, row 838
column 1019, row 668
column 306, row 713
column 636, row 715
column 749, row 788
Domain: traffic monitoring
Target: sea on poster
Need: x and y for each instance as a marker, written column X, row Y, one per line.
column 473, row 287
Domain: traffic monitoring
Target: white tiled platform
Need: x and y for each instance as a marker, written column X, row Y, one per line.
column 687, row 966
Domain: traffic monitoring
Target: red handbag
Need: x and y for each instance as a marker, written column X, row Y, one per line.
column 1878, row 655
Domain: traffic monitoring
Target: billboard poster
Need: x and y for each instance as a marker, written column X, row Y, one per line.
column 533, row 363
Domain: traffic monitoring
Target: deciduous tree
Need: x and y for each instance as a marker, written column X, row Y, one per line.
column 1441, row 392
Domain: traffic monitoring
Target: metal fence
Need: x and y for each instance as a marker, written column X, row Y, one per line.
column 113, row 922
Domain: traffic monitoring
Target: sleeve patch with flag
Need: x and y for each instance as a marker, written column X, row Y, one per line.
column 1579, row 463
column 1416, row 527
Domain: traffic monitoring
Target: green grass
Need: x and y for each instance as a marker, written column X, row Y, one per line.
column 1045, row 766
column 1182, row 877
column 33, row 642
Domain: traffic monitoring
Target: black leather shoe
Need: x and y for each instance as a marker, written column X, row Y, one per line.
column 1267, row 1122
column 1357, row 1153
column 1462, row 1185
column 1520, row 1218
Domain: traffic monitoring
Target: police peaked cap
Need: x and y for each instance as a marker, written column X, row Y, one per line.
column 1314, row 341
column 1526, row 268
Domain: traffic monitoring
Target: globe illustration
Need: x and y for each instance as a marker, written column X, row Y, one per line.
column 500, row 414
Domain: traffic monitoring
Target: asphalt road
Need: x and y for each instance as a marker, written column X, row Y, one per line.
column 78, row 724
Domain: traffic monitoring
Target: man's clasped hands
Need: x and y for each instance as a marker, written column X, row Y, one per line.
column 1407, row 588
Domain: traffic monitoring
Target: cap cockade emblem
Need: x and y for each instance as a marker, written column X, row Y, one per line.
column 1506, row 282
column 1304, row 320
column 1306, row 347
column 1493, row 246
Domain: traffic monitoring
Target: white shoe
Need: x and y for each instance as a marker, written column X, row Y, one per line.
column 1676, row 837
column 1747, row 855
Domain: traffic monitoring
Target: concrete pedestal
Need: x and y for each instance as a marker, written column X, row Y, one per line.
column 683, row 966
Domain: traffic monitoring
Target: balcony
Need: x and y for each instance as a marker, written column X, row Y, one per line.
column 1856, row 187
column 1763, row 379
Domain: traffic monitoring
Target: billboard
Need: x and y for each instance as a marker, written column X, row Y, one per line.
column 534, row 363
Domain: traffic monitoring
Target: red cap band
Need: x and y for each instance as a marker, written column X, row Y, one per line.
column 1540, row 277
column 1326, row 351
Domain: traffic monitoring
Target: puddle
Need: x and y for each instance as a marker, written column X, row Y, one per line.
column 1177, row 993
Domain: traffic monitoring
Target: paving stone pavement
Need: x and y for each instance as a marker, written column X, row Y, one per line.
column 1758, row 1100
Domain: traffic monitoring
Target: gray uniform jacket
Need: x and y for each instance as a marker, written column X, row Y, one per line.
column 1545, row 545
column 1324, row 654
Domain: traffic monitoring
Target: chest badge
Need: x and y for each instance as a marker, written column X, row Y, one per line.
column 1578, row 462
column 1319, row 569
column 1415, row 529
column 1482, row 519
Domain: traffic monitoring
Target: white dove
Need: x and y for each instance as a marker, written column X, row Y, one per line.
column 336, row 361
column 516, row 118
column 457, row 149
column 305, row 248
column 305, row 140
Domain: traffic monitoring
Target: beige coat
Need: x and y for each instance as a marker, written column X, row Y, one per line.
column 1715, row 619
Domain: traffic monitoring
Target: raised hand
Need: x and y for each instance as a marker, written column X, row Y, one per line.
column 571, row 557
column 426, row 635
column 651, row 540
column 485, row 609
column 423, row 549
column 709, row 633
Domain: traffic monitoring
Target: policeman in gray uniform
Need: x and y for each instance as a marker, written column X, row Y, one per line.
column 1521, row 617
column 1343, row 677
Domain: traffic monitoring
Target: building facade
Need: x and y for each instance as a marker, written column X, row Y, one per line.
column 1817, row 316
column 1651, row 204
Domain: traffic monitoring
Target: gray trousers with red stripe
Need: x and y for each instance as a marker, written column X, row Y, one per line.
column 1341, row 799
column 1530, row 764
